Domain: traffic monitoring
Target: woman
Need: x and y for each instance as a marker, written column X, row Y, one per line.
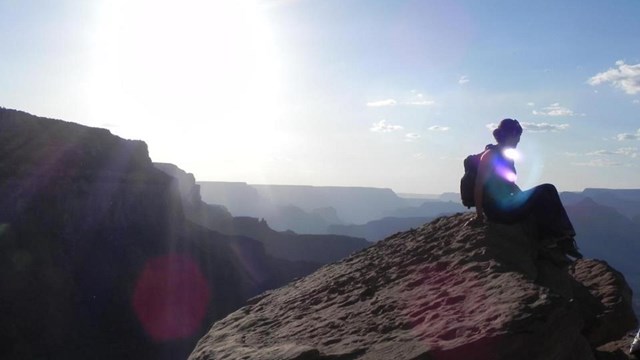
column 498, row 197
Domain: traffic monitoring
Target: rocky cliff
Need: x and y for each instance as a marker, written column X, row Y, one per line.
column 318, row 249
column 97, row 258
column 442, row 291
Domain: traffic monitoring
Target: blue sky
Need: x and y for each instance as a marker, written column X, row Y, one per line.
column 339, row 92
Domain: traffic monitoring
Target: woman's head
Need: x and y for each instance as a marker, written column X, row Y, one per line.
column 508, row 132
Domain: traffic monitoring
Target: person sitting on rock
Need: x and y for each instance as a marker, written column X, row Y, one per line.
column 498, row 197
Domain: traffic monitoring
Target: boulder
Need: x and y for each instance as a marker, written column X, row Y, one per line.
column 442, row 291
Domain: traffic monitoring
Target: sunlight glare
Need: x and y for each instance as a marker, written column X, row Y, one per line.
column 185, row 74
column 511, row 154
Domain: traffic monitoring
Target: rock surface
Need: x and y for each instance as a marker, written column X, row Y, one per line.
column 442, row 291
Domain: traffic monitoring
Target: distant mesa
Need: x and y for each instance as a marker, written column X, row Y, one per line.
column 352, row 204
column 287, row 245
column 625, row 201
column 317, row 209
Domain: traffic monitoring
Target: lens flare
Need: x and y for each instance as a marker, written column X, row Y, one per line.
column 171, row 297
column 506, row 172
column 511, row 176
column 511, row 153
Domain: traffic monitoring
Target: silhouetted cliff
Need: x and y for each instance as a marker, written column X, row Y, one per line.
column 97, row 259
column 442, row 291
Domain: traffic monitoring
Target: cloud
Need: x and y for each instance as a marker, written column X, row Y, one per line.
column 380, row 103
column 543, row 127
column 419, row 99
column 382, row 126
column 415, row 99
column 554, row 110
column 438, row 128
column 531, row 104
column 600, row 163
column 627, row 151
column 412, row 137
column 463, row 80
column 629, row 136
column 625, row 77
column 601, row 152
column 636, row 101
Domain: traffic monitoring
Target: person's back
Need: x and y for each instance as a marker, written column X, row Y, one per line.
column 497, row 197
column 500, row 178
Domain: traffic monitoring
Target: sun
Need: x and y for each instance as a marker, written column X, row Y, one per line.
column 180, row 74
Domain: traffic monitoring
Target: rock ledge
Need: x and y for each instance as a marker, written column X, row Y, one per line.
column 442, row 291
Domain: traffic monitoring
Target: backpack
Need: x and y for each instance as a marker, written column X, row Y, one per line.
column 468, row 181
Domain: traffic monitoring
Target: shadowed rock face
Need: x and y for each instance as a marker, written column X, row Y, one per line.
column 442, row 291
column 97, row 259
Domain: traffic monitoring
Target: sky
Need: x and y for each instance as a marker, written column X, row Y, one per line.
column 389, row 94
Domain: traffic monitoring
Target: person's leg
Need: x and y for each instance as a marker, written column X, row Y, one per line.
column 544, row 203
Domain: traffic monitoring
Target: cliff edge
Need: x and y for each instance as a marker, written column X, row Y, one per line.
column 442, row 291
column 98, row 259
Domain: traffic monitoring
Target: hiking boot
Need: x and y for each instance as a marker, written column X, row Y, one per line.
column 569, row 247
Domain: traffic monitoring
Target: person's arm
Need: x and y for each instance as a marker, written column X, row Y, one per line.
column 481, row 179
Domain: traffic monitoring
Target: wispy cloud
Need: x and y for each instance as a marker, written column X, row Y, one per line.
column 412, row 137
column 629, row 136
column 625, row 77
column 626, row 151
column 415, row 99
column 382, row 126
column 599, row 163
column 419, row 100
column 572, row 154
column 380, row 103
column 463, row 80
column 636, row 101
column 438, row 128
column 554, row 110
column 543, row 127
column 531, row 104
